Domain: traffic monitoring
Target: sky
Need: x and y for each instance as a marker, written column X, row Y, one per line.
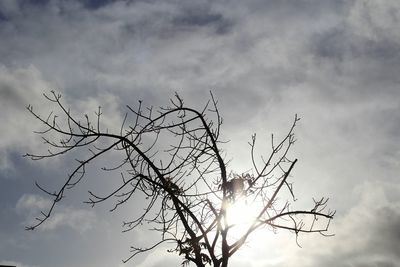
column 334, row 63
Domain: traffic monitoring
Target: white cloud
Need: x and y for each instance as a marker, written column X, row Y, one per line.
column 375, row 20
column 23, row 86
column 366, row 235
column 18, row 88
column 30, row 205
column 160, row 257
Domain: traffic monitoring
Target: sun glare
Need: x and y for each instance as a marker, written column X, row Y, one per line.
column 241, row 215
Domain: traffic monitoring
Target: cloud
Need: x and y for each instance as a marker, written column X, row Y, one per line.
column 376, row 20
column 160, row 257
column 366, row 235
column 30, row 205
column 15, row 263
column 363, row 46
column 336, row 63
column 18, row 88
column 23, row 86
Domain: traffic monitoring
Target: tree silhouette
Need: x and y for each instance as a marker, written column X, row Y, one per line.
column 172, row 158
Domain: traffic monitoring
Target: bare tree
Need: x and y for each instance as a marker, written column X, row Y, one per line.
column 188, row 190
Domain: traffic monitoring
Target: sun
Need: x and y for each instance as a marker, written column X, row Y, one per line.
column 241, row 215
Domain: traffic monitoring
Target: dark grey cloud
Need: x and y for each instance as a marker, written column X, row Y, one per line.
column 91, row 4
column 366, row 37
column 343, row 45
column 10, row 8
column 193, row 18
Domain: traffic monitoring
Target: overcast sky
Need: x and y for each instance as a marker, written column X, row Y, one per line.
column 334, row 63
